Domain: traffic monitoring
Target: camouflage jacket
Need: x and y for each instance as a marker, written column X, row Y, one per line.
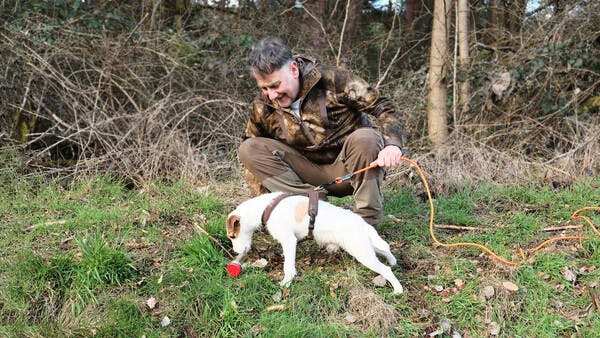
column 333, row 104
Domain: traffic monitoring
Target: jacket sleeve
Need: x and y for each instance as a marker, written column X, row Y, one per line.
column 254, row 127
column 362, row 97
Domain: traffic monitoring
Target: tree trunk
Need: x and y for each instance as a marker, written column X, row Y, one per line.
column 352, row 24
column 411, row 10
column 517, row 16
column 436, row 110
column 319, row 10
column 463, row 53
column 496, row 19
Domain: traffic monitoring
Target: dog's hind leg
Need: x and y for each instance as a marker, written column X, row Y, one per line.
column 371, row 262
column 381, row 247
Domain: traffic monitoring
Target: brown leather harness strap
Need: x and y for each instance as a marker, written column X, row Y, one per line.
column 267, row 212
column 313, row 209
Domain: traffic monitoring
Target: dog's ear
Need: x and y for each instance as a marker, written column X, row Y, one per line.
column 233, row 226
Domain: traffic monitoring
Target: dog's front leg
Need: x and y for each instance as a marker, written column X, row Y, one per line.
column 289, row 261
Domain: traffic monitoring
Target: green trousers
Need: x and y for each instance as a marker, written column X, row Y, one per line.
column 278, row 167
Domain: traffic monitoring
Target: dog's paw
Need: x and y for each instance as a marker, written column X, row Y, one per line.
column 398, row 290
column 285, row 283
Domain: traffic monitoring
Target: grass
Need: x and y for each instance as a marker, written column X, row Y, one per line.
column 83, row 258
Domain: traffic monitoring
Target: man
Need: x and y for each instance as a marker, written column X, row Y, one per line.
column 308, row 126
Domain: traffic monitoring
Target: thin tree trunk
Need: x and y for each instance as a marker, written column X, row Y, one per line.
column 463, row 53
column 436, row 110
column 517, row 15
column 496, row 19
column 411, row 10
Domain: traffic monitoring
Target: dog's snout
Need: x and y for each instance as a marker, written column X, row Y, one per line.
column 231, row 236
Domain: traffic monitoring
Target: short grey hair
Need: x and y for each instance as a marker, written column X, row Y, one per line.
column 269, row 55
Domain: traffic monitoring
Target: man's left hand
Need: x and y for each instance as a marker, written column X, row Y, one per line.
column 388, row 156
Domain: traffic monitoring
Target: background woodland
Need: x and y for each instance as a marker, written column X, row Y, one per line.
column 497, row 90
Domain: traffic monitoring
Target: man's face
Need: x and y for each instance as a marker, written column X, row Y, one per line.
column 282, row 85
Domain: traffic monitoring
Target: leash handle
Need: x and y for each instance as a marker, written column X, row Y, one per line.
column 348, row 176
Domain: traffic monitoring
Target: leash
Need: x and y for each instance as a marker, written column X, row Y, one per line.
column 522, row 253
column 340, row 179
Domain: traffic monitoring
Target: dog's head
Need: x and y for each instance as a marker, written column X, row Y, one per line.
column 240, row 236
column 244, row 221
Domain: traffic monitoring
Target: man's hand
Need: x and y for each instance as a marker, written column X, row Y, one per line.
column 388, row 156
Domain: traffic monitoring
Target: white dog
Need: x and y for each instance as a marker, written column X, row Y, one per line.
column 288, row 223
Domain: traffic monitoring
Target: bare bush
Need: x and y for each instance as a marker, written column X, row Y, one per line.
column 134, row 108
column 145, row 105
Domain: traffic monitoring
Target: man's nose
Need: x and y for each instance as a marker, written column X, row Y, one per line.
column 272, row 94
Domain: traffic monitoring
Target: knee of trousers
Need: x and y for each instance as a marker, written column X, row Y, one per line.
column 367, row 141
column 251, row 150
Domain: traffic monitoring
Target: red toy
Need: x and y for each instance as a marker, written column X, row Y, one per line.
column 234, row 268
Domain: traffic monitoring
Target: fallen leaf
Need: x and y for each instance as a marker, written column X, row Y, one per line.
column 259, row 263
column 151, row 302
column 165, row 321
column 438, row 288
column 586, row 269
column 510, row 286
column 445, row 326
column 437, row 332
column 569, row 275
column 350, row 318
column 28, row 228
column 276, row 307
column 494, row 328
column 459, row 283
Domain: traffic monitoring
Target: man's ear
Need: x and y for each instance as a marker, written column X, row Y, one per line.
column 294, row 69
column 233, row 226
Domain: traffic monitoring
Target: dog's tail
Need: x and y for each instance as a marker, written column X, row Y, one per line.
column 381, row 247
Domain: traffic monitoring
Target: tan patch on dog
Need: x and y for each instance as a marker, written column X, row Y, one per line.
column 233, row 226
column 301, row 211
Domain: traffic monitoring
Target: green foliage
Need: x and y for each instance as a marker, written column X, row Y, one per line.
column 117, row 248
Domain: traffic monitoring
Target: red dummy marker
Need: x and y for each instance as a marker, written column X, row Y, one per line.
column 234, row 269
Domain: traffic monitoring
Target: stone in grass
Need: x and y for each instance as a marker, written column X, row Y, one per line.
column 379, row 281
column 510, row 286
column 165, row 321
column 488, row 292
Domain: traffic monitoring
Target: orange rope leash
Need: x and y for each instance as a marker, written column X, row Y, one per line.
column 340, row 179
column 484, row 248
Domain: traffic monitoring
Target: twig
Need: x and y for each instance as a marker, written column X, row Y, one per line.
column 337, row 59
column 562, row 228
column 199, row 228
column 322, row 28
column 457, row 227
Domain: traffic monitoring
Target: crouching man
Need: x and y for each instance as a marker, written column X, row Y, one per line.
column 309, row 125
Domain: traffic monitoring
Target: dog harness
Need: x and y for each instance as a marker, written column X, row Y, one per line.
column 313, row 208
